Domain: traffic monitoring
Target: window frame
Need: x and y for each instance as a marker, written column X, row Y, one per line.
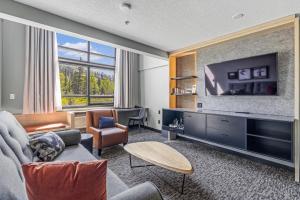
column 88, row 65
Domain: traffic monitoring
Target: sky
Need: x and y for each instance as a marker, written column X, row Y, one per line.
column 77, row 43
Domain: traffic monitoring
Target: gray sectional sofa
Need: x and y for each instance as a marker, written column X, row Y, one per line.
column 14, row 151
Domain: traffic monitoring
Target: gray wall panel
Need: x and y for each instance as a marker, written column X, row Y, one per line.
column 13, row 68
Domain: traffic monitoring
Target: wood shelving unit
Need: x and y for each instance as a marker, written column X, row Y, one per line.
column 183, row 73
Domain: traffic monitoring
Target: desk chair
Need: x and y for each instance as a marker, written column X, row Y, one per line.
column 139, row 118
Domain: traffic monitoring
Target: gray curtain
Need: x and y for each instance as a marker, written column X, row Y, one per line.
column 126, row 79
column 42, row 86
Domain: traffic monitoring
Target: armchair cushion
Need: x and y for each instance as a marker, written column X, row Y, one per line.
column 112, row 136
column 106, row 122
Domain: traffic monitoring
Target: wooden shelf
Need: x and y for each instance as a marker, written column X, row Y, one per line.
column 186, row 94
column 183, row 77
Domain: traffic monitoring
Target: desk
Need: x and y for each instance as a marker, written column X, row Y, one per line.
column 125, row 113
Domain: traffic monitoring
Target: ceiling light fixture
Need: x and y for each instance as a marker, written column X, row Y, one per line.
column 126, row 7
column 238, row 16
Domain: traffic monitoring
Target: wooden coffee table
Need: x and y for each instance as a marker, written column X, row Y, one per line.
column 161, row 155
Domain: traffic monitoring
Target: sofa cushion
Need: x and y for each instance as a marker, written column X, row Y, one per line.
column 75, row 153
column 47, row 146
column 114, row 185
column 12, row 184
column 42, row 180
column 16, row 137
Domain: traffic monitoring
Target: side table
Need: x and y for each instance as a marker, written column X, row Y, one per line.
column 87, row 141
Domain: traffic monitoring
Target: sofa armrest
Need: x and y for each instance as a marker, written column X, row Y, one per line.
column 144, row 191
column 70, row 137
column 96, row 136
column 121, row 126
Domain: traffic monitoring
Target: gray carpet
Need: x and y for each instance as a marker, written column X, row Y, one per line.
column 217, row 175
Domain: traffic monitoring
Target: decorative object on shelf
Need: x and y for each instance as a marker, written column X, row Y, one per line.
column 260, row 72
column 186, row 91
column 232, row 75
column 178, row 124
column 244, row 74
column 194, row 88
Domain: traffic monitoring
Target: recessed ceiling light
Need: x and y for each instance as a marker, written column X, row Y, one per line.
column 238, row 16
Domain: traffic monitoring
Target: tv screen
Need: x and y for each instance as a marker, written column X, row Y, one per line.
column 247, row 76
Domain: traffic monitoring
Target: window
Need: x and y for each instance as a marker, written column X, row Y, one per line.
column 87, row 71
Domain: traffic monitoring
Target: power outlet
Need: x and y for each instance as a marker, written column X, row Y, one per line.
column 12, row 96
column 158, row 121
column 199, row 105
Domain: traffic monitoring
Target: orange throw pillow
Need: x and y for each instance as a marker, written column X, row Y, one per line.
column 66, row 180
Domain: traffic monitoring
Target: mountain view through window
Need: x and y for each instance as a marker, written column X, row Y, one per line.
column 87, row 72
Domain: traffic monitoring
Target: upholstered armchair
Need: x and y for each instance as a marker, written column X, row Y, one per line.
column 105, row 137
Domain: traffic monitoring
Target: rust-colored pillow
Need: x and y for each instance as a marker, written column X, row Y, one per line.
column 66, row 180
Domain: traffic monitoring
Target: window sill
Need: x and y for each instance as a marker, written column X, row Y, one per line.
column 84, row 109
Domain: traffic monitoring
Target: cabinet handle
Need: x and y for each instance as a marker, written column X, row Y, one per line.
column 224, row 120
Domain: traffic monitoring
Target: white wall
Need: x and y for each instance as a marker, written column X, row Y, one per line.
column 0, row 62
column 13, row 65
column 15, row 11
column 154, row 88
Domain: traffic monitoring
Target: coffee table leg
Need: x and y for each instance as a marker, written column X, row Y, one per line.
column 182, row 186
column 135, row 166
column 130, row 161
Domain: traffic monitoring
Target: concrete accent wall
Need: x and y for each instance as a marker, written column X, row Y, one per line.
column 13, row 65
column 281, row 41
column 154, row 88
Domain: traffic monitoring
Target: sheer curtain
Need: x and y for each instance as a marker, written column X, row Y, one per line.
column 126, row 79
column 42, row 86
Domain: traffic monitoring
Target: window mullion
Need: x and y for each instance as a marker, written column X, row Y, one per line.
column 88, row 78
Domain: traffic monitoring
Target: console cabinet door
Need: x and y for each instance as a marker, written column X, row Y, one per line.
column 227, row 130
column 195, row 125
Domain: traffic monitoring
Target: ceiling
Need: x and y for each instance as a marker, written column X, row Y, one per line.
column 169, row 24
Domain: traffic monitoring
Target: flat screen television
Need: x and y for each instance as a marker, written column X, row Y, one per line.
column 255, row 75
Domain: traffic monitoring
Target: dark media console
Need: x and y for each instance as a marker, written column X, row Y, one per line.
column 262, row 136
